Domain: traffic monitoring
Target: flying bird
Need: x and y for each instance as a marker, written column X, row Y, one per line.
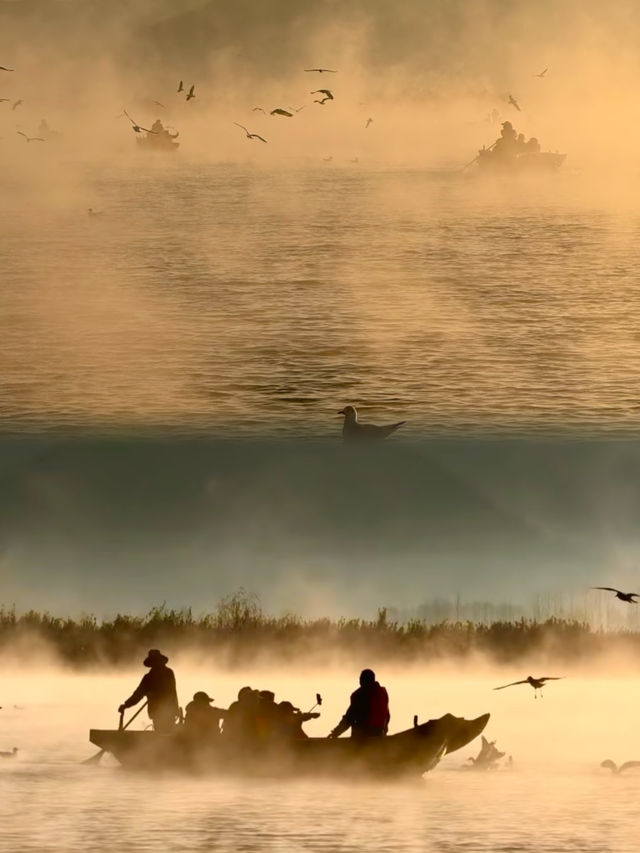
column 16, row 104
column 181, row 87
column 258, row 110
column 623, row 596
column 30, row 138
column 542, row 73
column 159, row 104
column 514, row 103
column 250, row 135
column 2, row 68
column 611, row 765
column 191, row 93
column 328, row 95
column 352, row 430
column 137, row 127
column 280, row 112
column 322, row 70
column 369, row 121
column 536, row 683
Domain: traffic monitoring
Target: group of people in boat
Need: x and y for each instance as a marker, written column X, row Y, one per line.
column 255, row 717
column 510, row 145
column 159, row 134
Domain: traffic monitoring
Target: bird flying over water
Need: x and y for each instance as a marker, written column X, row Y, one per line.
column 514, row 103
column 369, row 121
column 2, row 68
column 16, row 104
column 191, row 93
column 180, row 86
column 258, row 110
column 536, row 683
column 352, row 430
column 542, row 73
column 30, row 138
column 137, row 127
column 611, row 765
column 157, row 103
column 322, row 70
column 623, row 596
column 250, row 135
column 328, row 95
column 280, row 112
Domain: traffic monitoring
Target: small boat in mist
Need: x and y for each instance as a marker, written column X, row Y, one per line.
column 410, row 752
column 529, row 162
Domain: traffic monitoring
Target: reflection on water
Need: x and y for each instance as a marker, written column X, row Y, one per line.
column 211, row 296
column 555, row 799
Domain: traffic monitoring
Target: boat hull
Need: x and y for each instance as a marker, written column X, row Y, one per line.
column 412, row 752
column 527, row 163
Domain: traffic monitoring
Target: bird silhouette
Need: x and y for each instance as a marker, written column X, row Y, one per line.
column 258, row 110
column 352, row 430
column 12, row 754
column 280, row 112
column 180, row 86
column 16, row 104
column 536, row 683
column 328, row 95
column 250, row 135
column 158, row 104
column 191, row 93
column 2, row 68
column 322, row 70
column 542, row 73
column 514, row 103
column 369, row 121
column 487, row 756
column 137, row 127
column 4, row 100
column 623, row 596
column 611, row 765
column 30, row 138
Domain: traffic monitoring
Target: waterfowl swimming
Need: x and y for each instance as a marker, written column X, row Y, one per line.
column 352, row 430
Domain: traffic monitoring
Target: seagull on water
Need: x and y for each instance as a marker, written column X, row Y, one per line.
column 250, row 135
column 623, row 596
column 352, row 430
column 328, row 95
column 536, row 683
column 191, row 93
column 542, row 73
column 514, row 103
column 280, row 112
column 137, row 127
column 611, row 765
column 30, row 138
column 322, row 70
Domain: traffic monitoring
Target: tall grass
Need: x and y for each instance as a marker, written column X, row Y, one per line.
column 238, row 632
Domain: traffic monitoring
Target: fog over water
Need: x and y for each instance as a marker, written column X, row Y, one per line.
column 171, row 373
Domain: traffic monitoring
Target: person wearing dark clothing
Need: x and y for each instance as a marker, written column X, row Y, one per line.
column 201, row 720
column 241, row 720
column 159, row 688
column 368, row 713
column 289, row 721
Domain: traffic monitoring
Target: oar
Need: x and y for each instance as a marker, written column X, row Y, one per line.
column 471, row 162
column 96, row 758
column 318, row 703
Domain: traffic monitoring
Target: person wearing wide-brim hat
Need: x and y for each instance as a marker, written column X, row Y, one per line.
column 158, row 686
column 201, row 719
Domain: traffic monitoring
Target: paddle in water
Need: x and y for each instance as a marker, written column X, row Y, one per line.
column 96, row 758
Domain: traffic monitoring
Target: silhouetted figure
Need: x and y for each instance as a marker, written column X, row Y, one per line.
column 289, row 721
column 352, row 430
column 533, row 146
column 506, row 146
column 368, row 713
column 521, row 143
column 280, row 112
column 30, row 138
column 241, row 719
column 180, row 86
column 623, row 596
column 191, row 93
column 328, row 95
column 158, row 686
column 369, row 121
column 536, row 683
column 542, row 73
column 514, row 103
column 250, row 135
column 487, row 757
column 201, row 720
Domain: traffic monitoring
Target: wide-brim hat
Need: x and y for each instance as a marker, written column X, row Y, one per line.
column 154, row 656
column 201, row 696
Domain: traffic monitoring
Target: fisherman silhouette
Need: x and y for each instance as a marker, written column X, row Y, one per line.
column 368, row 712
column 201, row 719
column 159, row 687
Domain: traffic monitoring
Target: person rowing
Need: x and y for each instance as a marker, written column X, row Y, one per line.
column 368, row 712
column 158, row 686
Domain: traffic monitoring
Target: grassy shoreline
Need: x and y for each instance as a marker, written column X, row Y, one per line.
column 238, row 632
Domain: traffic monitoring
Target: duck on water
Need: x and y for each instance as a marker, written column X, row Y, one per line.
column 258, row 736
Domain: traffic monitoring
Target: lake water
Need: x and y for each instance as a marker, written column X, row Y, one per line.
column 556, row 798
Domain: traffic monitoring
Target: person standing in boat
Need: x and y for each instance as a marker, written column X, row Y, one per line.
column 368, row 712
column 159, row 687
column 506, row 146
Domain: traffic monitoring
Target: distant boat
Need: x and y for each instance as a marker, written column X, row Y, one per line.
column 157, row 142
column 527, row 162
column 411, row 752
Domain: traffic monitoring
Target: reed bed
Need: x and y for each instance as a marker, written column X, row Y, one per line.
column 238, row 632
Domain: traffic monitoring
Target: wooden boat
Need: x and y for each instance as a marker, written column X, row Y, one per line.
column 157, row 142
column 528, row 162
column 413, row 751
